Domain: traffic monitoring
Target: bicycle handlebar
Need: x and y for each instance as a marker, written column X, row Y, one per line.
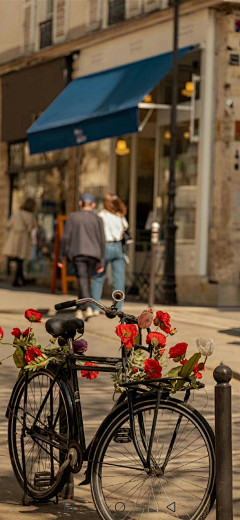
column 108, row 310
column 65, row 305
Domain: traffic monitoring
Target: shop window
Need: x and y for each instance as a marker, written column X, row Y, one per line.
column 116, row 11
column 123, row 151
column 145, row 179
column 186, row 167
column 94, row 170
column 45, row 34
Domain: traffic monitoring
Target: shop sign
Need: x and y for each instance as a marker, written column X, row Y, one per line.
column 237, row 130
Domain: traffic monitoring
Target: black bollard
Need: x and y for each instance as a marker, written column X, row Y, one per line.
column 223, row 431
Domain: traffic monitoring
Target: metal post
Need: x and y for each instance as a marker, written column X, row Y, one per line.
column 169, row 284
column 223, row 431
column 154, row 246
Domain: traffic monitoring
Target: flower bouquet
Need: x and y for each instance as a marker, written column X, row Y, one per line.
column 143, row 363
column 141, row 368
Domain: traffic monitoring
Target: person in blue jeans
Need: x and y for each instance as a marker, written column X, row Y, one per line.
column 115, row 224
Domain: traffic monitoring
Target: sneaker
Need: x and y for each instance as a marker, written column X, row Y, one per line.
column 79, row 314
column 88, row 313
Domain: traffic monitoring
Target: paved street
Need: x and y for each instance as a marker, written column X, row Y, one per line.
column 96, row 395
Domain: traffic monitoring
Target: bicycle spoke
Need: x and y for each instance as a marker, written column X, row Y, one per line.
column 149, row 493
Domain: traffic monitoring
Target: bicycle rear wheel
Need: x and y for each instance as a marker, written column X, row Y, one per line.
column 42, row 461
column 121, row 487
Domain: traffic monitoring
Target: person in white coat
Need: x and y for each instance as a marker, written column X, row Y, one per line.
column 18, row 244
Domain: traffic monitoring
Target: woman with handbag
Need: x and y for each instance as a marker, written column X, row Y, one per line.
column 115, row 225
column 18, row 244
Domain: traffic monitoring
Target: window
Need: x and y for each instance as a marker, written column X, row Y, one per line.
column 116, row 13
column 46, row 34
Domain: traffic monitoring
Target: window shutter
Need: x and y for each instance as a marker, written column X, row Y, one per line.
column 94, row 15
column 29, row 26
column 151, row 5
column 133, row 8
column 59, row 20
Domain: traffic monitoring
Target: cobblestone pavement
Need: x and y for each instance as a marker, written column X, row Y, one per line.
column 96, row 396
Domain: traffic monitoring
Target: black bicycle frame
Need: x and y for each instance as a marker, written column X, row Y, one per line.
column 70, row 366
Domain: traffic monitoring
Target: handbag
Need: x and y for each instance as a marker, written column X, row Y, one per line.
column 127, row 239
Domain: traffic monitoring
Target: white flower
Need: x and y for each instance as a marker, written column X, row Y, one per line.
column 205, row 346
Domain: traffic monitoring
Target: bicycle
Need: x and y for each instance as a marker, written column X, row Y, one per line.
column 150, row 452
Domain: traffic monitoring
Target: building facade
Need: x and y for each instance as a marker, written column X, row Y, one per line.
column 61, row 40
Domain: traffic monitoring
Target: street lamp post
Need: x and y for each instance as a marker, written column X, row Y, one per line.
column 169, row 284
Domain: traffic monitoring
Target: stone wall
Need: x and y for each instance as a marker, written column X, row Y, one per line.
column 224, row 246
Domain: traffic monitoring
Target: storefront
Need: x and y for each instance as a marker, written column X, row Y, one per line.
column 136, row 164
column 138, row 167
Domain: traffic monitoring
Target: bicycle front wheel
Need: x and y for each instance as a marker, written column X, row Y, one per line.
column 44, row 453
column 181, row 481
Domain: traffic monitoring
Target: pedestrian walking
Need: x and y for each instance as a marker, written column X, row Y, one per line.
column 83, row 243
column 115, row 225
column 18, row 244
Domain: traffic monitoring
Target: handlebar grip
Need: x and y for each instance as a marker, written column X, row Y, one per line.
column 65, row 305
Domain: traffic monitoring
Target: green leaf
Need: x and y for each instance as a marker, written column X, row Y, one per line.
column 174, row 372
column 187, row 369
column 137, row 339
column 18, row 358
column 35, row 366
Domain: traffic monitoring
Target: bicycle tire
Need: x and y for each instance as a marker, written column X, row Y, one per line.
column 41, row 495
column 101, row 500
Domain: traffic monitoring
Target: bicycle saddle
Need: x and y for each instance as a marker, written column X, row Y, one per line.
column 64, row 327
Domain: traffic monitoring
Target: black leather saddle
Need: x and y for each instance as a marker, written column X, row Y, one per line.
column 66, row 328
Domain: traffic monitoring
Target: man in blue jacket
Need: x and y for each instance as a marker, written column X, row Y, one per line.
column 83, row 242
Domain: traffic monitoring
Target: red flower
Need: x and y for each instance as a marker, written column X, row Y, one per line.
column 183, row 361
column 152, row 368
column 161, row 351
column 172, row 332
column 87, row 373
column 145, row 319
column 156, row 335
column 178, row 350
column 32, row 353
column 127, row 333
column 27, row 331
column 16, row 333
column 134, row 370
column 33, row 315
column 197, row 368
column 163, row 320
column 1, row 333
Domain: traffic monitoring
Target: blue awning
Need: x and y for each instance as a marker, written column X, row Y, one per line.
column 99, row 106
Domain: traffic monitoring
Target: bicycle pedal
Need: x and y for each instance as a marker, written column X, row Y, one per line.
column 42, row 479
column 123, row 435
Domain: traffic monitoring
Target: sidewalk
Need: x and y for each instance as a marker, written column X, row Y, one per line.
column 223, row 325
column 97, row 395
